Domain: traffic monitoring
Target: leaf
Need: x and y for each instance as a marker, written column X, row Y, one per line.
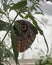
column 39, row 8
column 5, row 7
column 39, row 13
column 1, row 64
column 19, row 5
column 33, row 8
column 18, row 26
column 46, row 43
column 40, row 31
column 35, row 23
column 27, row 16
column 21, row 16
column 14, row 45
column 4, row 25
column 1, row 54
column 1, row 12
column 38, row 0
column 38, row 28
column 8, row 54
column 6, row 1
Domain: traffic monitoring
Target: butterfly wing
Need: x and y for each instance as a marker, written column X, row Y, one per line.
column 27, row 35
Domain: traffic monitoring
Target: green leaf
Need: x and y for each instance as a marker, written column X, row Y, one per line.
column 5, row 7
column 1, row 53
column 14, row 45
column 32, row 18
column 1, row 64
column 39, row 13
column 1, row 12
column 8, row 54
column 19, row 5
column 46, row 43
column 5, row 1
column 33, row 8
column 18, row 26
column 39, row 8
column 4, row 25
column 38, row 0
column 35, row 23
column 38, row 28
column 21, row 16
column 40, row 31
column 27, row 16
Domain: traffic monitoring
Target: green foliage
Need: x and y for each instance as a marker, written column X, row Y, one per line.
column 4, row 53
column 18, row 26
column 34, row 22
column 39, row 13
column 38, row 28
column 20, row 5
column 5, row 6
column 20, row 8
column 4, row 25
column 1, row 12
column 47, row 61
column 14, row 45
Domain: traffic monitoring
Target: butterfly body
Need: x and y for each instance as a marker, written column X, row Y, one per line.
column 27, row 35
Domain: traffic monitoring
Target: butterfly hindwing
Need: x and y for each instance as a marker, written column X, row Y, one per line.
column 27, row 35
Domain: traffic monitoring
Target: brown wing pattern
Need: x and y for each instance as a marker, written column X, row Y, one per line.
column 27, row 36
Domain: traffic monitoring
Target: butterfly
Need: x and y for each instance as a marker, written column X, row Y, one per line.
column 27, row 35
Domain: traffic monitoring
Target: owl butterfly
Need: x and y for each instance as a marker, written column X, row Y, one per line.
column 27, row 35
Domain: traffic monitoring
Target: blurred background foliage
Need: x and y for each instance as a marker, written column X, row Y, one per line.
column 44, row 60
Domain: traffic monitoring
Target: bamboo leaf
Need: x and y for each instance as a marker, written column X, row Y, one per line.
column 46, row 43
column 38, row 28
column 1, row 54
column 39, row 8
column 34, row 22
column 8, row 54
column 38, row 0
column 39, row 13
column 14, row 45
column 4, row 25
column 27, row 16
column 21, row 16
column 5, row 7
column 6, row 1
column 1, row 12
column 19, row 5
column 1, row 64
column 17, row 26
column 33, row 8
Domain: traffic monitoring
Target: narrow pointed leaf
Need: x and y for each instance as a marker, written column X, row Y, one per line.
column 8, row 54
column 14, row 45
column 19, row 5
column 46, row 44
column 5, row 6
column 4, row 25
column 38, row 28
column 35, row 23
column 39, row 8
column 1, row 12
column 18, row 26
column 39, row 13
